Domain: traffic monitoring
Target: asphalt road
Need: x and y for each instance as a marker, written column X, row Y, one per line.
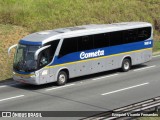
column 98, row 92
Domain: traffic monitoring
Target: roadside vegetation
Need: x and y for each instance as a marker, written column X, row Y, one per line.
column 149, row 118
column 21, row 17
column 9, row 35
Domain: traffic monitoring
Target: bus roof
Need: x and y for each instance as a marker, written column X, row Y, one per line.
column 40, row 38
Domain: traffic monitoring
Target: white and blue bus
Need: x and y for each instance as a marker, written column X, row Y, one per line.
column 60, row 54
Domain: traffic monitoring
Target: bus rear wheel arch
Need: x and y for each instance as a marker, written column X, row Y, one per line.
column 62, row 77
column 126, row 64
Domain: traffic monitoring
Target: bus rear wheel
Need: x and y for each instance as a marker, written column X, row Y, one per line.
column 62, row 78
column 126, row 65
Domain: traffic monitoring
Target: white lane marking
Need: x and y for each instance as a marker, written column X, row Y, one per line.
column 59, row 87
column 8, row 85
column 125, row 88
column 11, row 98
column 145, row 68
column 156, row 56
column 3, row 86
column 105, row 77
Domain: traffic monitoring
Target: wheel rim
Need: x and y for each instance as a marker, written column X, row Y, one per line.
column 126, row 65
column 62, row 78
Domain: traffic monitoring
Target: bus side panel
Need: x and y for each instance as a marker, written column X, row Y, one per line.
column 139, row 58
column 45, row 75
column 91, row 66
column 84, row 68
column 147, row 55
column 54, row 70
column 142, row 57
column 99, row 65
column 94, row 65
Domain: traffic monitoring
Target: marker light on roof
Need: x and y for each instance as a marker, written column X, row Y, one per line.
column 44, row 33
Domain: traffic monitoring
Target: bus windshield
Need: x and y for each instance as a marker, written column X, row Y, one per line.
column 24, row 58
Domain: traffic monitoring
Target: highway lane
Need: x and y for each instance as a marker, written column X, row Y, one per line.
column 100, row 92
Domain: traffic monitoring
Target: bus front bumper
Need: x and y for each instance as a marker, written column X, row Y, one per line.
column 27, row 78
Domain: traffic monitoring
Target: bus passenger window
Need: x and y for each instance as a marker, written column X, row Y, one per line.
column 69, row 45
column 101, row 40
column 52, row 49
column 130, row 36
column 116, row 38
column 144, row 33
column 85, row 43
column 44, row 58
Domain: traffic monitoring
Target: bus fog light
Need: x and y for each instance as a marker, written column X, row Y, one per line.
column 37, row 74
column 45, row 72
column 33, row 76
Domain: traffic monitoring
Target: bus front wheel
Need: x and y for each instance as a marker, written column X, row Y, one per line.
column 126, row 65
column 62, row 78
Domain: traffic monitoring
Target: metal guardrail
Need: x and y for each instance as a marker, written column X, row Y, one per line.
column 150, row 106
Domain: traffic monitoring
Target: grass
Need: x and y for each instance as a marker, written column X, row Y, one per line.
column 48, row 14
column 9, row 35
column 149, row 118
column 156, row 46
column 21, row 17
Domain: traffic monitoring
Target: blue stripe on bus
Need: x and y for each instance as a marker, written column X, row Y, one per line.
column 73, row 57
column 24, row 42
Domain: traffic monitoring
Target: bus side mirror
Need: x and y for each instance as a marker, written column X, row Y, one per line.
column 39, row 50
column 9, row 49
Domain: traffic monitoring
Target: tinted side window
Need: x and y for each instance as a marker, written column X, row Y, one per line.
column 144, row 33
column 116, row 38
column 69, row 45
column 53, row 48
column 85, row 43
column 44, row 58
column 130, row 35
column 101, row 40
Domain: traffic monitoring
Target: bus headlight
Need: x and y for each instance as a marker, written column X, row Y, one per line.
column 32, row 76
column 37, row 74
column 45, row 72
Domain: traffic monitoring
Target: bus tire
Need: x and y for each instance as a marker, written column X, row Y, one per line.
column 62, row 78
column 126, row 65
